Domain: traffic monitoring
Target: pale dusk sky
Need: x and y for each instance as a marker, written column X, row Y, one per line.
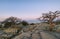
column 27, row 9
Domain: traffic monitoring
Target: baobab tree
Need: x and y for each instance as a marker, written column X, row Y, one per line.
column 49, row 17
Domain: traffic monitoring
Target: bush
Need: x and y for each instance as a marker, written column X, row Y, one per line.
column 32, row 24
column 24, row 23
column 8, row 24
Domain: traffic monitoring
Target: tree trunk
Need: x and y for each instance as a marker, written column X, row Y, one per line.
column 51, row 26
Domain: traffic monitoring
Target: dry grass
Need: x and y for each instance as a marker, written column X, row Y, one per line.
column 11, row 30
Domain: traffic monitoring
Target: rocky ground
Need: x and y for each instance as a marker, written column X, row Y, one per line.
column 37, row 33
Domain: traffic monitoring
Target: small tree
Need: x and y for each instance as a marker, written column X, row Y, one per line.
column 49, row 17
column 11, row 21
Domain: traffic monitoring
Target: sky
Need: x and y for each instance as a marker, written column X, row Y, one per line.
column 27, row 9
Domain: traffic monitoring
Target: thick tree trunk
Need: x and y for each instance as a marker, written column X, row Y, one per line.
column 51, row 26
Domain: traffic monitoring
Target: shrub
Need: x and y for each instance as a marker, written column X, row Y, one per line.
column 24, row 23
column 7, row 24
column 32, row 24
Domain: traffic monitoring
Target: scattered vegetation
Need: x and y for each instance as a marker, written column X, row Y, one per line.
column 14, row 25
